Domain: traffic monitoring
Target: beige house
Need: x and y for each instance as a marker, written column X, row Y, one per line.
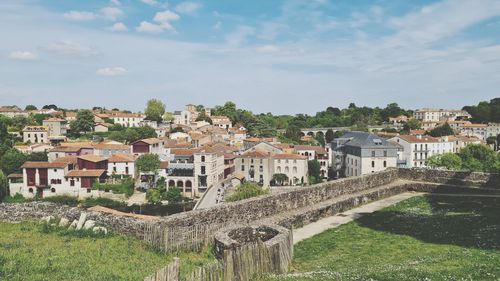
column 56, row 126
column 36, row 134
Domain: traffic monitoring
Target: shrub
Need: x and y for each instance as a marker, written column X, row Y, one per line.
column 62, row 199
column 126, row 186
column 245, row 191
column 105, row 202
column 17, row 198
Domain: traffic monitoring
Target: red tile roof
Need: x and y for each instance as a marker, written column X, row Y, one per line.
column 85, row 173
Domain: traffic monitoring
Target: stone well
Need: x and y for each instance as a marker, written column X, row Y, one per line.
column 269, row 248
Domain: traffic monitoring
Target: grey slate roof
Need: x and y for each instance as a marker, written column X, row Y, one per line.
column 366, row 140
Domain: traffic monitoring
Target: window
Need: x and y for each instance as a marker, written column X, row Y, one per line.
column 373, row 153
column 385, row 164
column 385, row 153
column 53, row 190
column 294, row 170
column 30, row 190
column 373, row 164
column 242, row 168
column 89, row 190
column 55, row 170
column 203, row 170
column 202, row 158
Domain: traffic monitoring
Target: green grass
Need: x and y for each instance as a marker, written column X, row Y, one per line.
column 32, row 251
column 423, row 238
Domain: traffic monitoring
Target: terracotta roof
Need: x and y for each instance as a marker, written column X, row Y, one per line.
column 82, row 144
column 92, row 158
column 126, row 115
column 317, row 149
column 289, row 156
column 70, row 114
column 107, row 125
column 148, row 141
column 15, row 176
column 36, row 164
column 413, row 139
column 163, row 164
column 65, row 149
column 229, row 156
column 85, row 173
column 111, row 146
column 184, row 152
column 35, row 128
column 55, row 120
column 66, row 160
column 254, row 154
column 475, row 125
column 121, row 157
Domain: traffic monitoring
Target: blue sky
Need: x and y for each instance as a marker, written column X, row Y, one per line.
column 282, row 56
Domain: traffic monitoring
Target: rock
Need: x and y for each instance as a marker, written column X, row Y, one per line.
column 81, row 221
column 74, row 224
column 48, row 219
column 64, row 222
column 89, row 224
column 99, row 229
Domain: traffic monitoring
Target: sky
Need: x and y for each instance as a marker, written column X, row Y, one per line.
column 280, row 56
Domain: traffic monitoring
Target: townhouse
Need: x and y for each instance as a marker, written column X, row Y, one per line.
column 121, row 164
column 315, row 153
column 417, row 149
column 361, row 153
column 127, row 119
column 440, row 115
column 35, row 134
column 56, row 126
column 221, row 122
column 151, row 145
column 476, row 130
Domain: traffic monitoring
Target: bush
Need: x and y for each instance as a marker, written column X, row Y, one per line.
column 105, row 202
column 245, row 191
column 126, row 186
column 62, row 199
column 17, row 198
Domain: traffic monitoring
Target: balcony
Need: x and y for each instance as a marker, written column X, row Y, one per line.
column 180, row 165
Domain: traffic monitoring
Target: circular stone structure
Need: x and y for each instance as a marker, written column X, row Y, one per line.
column 260, row 244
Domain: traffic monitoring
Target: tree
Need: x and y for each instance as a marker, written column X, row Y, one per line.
column 148, row 163
column 153, row 195
column 391, row 110
column 443, row 130
column 50, row 106
column 4, row 186
column 492, row 141
column 293, row 132
column 203, row 117
column 155, row 110
column 169, row 117
column 37, row 157
column 145, row 132
column 329, row 136
column 173, row 195
column 39, row 117
column 319, row 137
column 314, row 168
column 280, row 179
column 84, row 122
column 478, row 157
column 30, row 107
column 412, row 124
column 450, row 161
column 245, row 191
column 12, row 161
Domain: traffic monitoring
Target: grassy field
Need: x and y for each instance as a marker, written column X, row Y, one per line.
column 29, row 252
column 423, row 238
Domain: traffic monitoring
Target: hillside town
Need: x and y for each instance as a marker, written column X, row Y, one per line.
column 205, row 156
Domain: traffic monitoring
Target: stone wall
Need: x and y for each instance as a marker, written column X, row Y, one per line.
column 462, row 178
column 257, row 208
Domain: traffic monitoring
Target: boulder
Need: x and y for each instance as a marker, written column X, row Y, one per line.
column 99, row 229
column 64, row 222
column 48, row 219
column 89, row 224
column 81, row 221
column 73, row 224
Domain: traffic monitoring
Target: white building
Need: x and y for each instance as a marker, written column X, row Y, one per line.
column 36, row 134
column 315, row 153
column 221, row 122
column 121, row 164
column 417, row 149
column 440, row 115
column 493, row 130
column 474, row 130
column 361, row 153
column 56, row 126
column 127, row 119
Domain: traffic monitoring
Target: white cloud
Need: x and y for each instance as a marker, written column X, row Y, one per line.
column 119, row 26
column 148, row 27
column 163, row 20
column 188, row 8
column 150, row 2
column 111, row 71
column 79, row 16
column 67, row 47
column 268, row 49
column 217, row 25
column 166, row 16
column 23, row 55
column 115, row 2
column 111, row 13
column 239, row 36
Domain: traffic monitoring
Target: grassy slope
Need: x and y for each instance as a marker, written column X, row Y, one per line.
column 435, row 237
column 26, row 253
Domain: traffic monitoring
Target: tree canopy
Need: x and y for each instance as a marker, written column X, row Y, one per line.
column 84, row 122
column 443, row 130
column 155, row 110
column 148, row 163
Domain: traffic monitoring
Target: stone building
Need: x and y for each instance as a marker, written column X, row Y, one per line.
column 36, row 134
